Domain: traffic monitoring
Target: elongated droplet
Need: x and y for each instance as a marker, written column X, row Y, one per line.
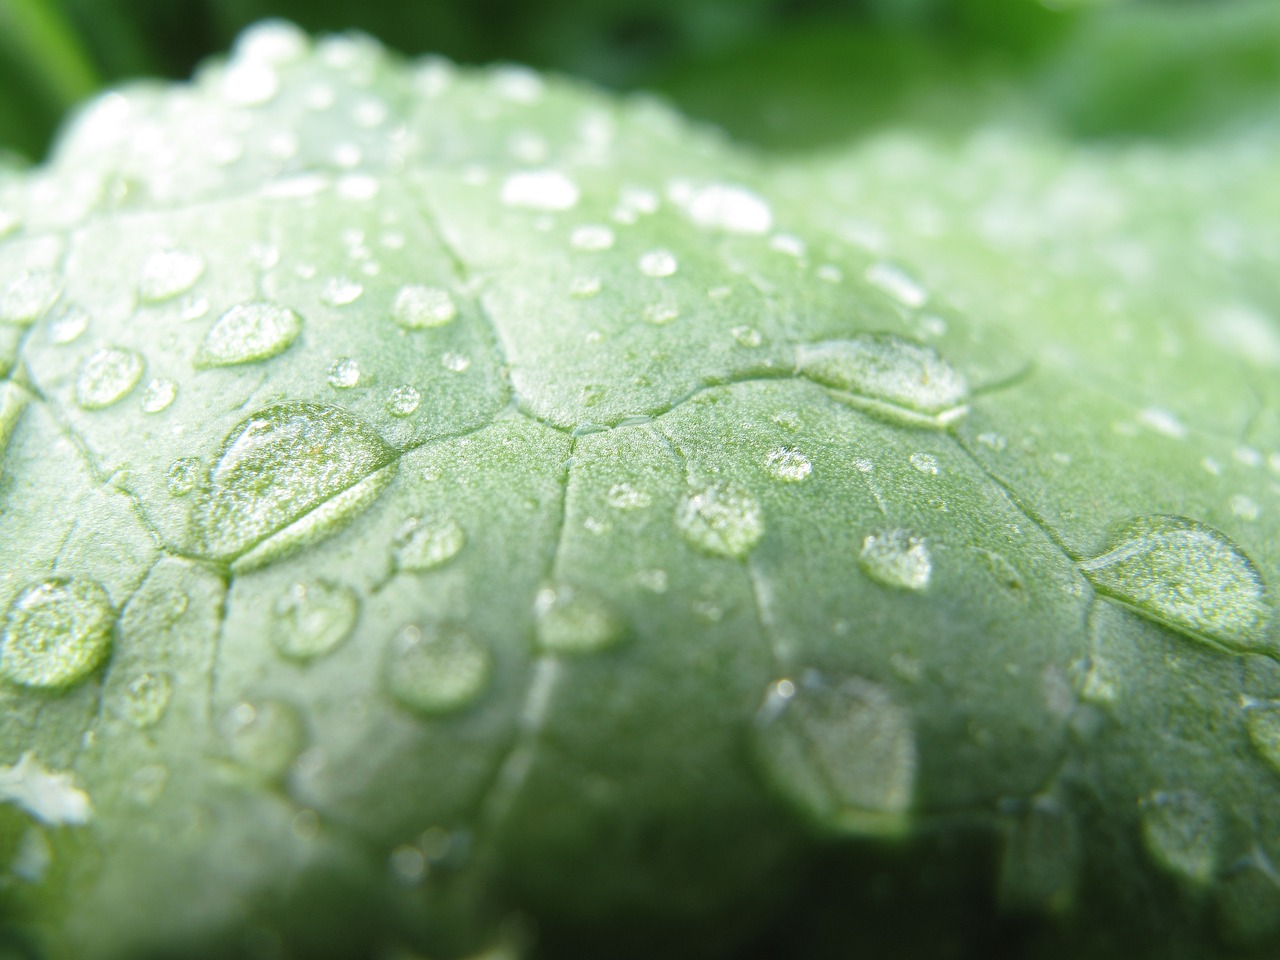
column 1188, row 577
column 167, row 273
column 1180, row 830
column 843, row 754
column 249, row 332
column 897, row 379
column 788, row 464
column 721, row 519
column 107, row 377
column 56, row 633
column 570, row 620
column 422, row 545
column 290, row 475
column 436, row 668
column 312, row 619
column 896, row 559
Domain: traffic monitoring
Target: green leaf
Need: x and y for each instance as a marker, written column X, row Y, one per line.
column 454, row 510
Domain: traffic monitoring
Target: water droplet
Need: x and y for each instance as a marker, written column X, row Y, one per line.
column 417, row 307
column 421, row 545
column 344, row 373
column 288, row 476
column 585, row 287
column 925, row 462
column 146, row 698
column 249, row 83
column 886, row 375
column 571, row 621
column 896, row 559
column 158, row 395
column 56, row 633
column 844, row 755
column 184, row 476
column 27, row 298
column 69, row 326
column 436, row 668
column 789, row 244
column 455, row 362
column 312, row 619
column 340, row 291
column 1180, row 830
column 658, row 263
column 591, row 238
column 540, row 190
column 1263, row 722
column 265, row 737
column 900, row 285
column 517, row 83
column 788, row 464
column 623, row 496
column 1163, row 422
column 403, row 401
column 1188, row 577
column 249, row 332
column 107, row 376
column 747, row 336
column 727, row 207
column 167, row 273
column 721, row 519
column 660, row 314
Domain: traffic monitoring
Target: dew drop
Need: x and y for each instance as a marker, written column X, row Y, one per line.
column 107, row 376
column 844, row 755
column 926, row 463
column 591, row 238
column 248, row 332
column 69, row 326
column 56, row 633
column 883, row 374
column 896, row 559
column 28, row 297
column 184, row 476
column 344, row 373
column 728, row 207
column 436, row 668
column 1180, row 831
column 403, row 401
column 1264, row 733
column 167, row 273
column 455, row 362
column 1188, row 577
column 584, row 288
column 340, row 291
column 658, row 263
column 158, row 395
column 747, row 336
column 146, row 698
column 788, row 464
column 265, row 737
column 540, row 190
column 417, row 307
column 624, row 496
column 288, row 476
column 900, row 285
column 421, row 545
column 572, row 621
column 312, row 619
column 660, row 314
column 721, row 519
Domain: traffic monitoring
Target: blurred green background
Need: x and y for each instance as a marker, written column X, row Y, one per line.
column 783, row 74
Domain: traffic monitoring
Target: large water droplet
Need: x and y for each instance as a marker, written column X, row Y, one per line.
column 107, row 377
column 167, row 273
column 436, row 668
column 1180, row 830
column 249, row 332
column 625, row 496
column 417, row 307
column 146, row 698
column 843, row 754
column 540, row 190
column 288, row 476
column 572, row 621
column 888, row 376
column 312, row 619
column 896, row 559
column 1186, row 576
column 721, row 519
column 422, row 545
column 56, row 632
column 27, row 298
column 265, row 737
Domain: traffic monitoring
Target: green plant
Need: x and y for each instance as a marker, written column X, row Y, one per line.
column 450, row 509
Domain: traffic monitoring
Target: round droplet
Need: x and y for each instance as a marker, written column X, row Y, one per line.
column 158, row 395
column 312, row 619
column 249, row 332
column 403, row 401
column 884, row 374
column 722, row 520
column 27, row 298
column 436, row 669
column 896, row 559
column 548, row 190
column 56, row 633
column 572, row 621
column 844, row 755
column 455, row 362
column 265, row 737
column 146, row 698
column 167, row 273
column 1180, row 831
column 788, row 464
column 421, row 545
column 288, row 476
column 1188, row 577
column 344, row 374
column 417, row 307
column 660, row 314
column 107, row 377
column 339, row 291
column 658, row 263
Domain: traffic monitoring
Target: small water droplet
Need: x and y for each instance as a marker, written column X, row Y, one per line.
column 1244, row 507
column 403, row 401
column 249, row 332
column 1163, row 422
column 591, row 238
column 788, row 464
column 340, row 291
column 518, row 84
column 896, row 559
column 993, row 441
column 727, row 207
column 830, row 273
column 344, row 373
column 658, row 263
column 417, row 307
column 28, row 297
column 146, row 698
column 1188, row 577
column 585, row 287
column 69, row 326
column 925, row 462
column 167, row 273
column 572, row 621
column 660, row 314
column 896, row 282
column 455, row 362
column 436, row 668
column 721, row 519
column 540, row 190
column 624, row 496
column 844, row 755
column 158, row 395
column 184, row 476
column 421, row 545
column 1180, row 830
column 56, row 633
column 789, row 244
column 747, row 336
column 312, row 619
column 107, row 376
column 265, row 737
